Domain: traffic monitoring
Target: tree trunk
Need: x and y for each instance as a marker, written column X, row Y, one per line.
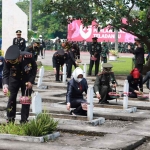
column 146, row 67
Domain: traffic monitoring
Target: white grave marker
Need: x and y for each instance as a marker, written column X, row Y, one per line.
column 41, row 74
column 36, row 103
column 64, row 73
column 84, row 70
column 126, row 92
column 90, row 103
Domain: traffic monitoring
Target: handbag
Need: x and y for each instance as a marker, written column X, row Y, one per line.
column 25, row 99
column 93, row 58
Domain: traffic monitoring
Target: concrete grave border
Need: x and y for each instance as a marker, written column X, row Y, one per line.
column 40, row 139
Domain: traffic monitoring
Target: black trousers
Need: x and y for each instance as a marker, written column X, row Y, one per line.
column 133, row 95
column 41, row 50
column 11, row 105
column 96, row 66
column 69, row 68
column 140, row 67
column 76, row 103
column 0, row 83
column 104, row 59
column 57, row 72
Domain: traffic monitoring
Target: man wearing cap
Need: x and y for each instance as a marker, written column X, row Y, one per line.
column 34, row 49
column 19, row 72
column 95, row 51
column 19, row 41
column 139, row 54
column 135, row 81
column 42, row 45
column 59, row 59
column 105, row 82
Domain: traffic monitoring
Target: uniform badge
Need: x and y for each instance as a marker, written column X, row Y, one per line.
column 28, row 67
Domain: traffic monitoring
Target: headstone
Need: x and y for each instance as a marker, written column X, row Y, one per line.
column 90, row 103
column 13, row 18
column 64, row 73
column 41, row 74
column 36, row 103
column 126, row 91
column 84, row 70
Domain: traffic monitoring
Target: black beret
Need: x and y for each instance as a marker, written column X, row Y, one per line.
column 60, row 52
column 12, row 52
column 94, row 38
column 18, row 32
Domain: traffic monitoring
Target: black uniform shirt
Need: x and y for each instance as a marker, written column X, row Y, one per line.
column 24, row 71
column 20, row 42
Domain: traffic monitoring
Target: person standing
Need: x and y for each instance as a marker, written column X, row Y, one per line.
column 95, row 51
column 42, row 45
column 104, row 53
column 19, row 72
column 139, row 54
column 19, row 41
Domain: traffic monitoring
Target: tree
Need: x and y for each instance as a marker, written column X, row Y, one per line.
column 105, row 12
column 42, row 23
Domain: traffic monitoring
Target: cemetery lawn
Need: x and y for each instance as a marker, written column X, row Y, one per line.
column 122, row 66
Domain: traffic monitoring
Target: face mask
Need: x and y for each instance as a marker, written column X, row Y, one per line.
column 79, row 79
column 1, row 63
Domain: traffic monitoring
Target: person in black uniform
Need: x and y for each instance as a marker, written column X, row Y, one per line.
column 34, row 49
column 146, row 79
column 95, row 51
column 42, row 45
column 139, row 54
column 59, row 59
column 71, row 60
column 19, row 41
column 135, row 80
column 105, row 82
column 74, row 97
column 19, row 72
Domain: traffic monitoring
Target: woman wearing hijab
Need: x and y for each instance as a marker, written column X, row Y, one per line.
column 1, row 70
column 74, row 97
column 135, row 80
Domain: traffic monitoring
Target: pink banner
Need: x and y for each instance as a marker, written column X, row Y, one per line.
column 76, row 32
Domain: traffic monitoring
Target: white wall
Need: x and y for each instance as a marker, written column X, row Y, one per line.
column 13, row 18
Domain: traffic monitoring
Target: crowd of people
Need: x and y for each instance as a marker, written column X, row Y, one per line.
column 18, row 70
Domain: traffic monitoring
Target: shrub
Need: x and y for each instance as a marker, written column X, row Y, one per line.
column 42, row 125
column 113, row 52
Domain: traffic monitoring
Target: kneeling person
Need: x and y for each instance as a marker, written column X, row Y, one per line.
column 74, row 97
column 102, row 85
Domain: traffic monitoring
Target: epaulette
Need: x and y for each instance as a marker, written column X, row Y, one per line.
column 28, row 55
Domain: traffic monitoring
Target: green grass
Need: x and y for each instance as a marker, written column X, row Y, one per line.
column 122, row 66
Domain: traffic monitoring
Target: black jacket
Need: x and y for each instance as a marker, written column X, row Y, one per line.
column 20, row 42
column 139, row 55
column 73, row 90
column 146, row 79
column 134, row 85
column 57, row 60
column 24, row 71
column 95, row 49
column 34, row 51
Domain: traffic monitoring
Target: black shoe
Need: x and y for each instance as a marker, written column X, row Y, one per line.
column 23, row 121
column 103, row 102
column 10, row 120
column 34, row 83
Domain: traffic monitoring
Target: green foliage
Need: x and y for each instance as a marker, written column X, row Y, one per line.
column 105, row 12
column 43, row 23
column 12, row 128
column 42, row 125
